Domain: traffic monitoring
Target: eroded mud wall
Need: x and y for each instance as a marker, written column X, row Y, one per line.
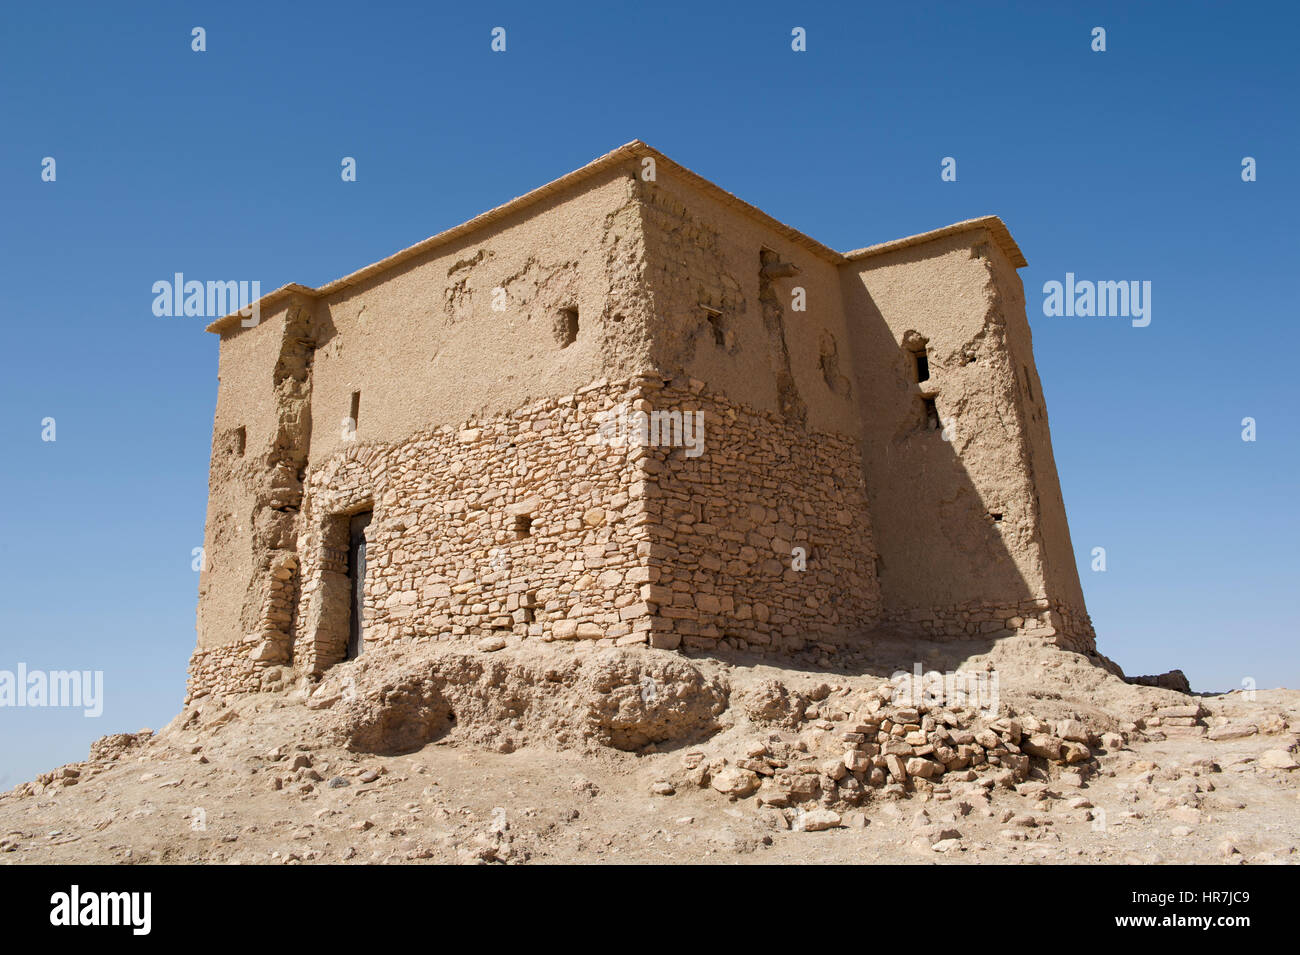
column 248, row 586
column 485, row 324
column 964, row 499
column 754, row 315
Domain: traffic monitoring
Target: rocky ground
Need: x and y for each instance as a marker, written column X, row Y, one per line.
column 524, row 753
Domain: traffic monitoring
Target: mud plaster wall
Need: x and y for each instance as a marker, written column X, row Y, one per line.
column 706, row 257
column 237, row 538
column 948, row 564
column 1060, row 568
column 424, row 345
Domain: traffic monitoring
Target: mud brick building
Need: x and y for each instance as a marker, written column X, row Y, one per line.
column 629, row 407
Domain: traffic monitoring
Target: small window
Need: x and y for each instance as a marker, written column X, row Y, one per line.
column 566, row 326
column 714, row 318
column 241, row 439
column 922, row 365
column 523, row 526
column 355, row 414
column 996, row 515
column 931, row 415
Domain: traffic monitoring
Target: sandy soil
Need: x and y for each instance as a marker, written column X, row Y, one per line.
column 572, row 768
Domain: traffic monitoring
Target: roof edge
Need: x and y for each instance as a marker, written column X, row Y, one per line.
column 262, row 304
column 611, row 158
column 735, row 202
column 993, row 224
column 633, row 150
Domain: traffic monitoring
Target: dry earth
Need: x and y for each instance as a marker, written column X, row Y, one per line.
column 525, row 753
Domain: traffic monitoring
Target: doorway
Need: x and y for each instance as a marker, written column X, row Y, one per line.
column 357, row 583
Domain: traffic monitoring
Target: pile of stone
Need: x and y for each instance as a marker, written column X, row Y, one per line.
column 845, row 748
column 116, row 745
column 1182, row 721
column 68, row 775
column 103, row 752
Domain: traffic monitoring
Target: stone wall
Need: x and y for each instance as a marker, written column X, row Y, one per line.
column 231, row 668
column 1037, row 617
column 525, row 523
column 727, row 522
column 522, row 523
column 551, row 523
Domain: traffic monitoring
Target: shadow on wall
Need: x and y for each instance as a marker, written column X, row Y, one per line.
column 885, row 656
column 957, row 562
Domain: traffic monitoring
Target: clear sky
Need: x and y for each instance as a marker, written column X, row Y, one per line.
column 225, row 164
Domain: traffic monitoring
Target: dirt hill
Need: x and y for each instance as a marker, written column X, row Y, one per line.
column 545, row 753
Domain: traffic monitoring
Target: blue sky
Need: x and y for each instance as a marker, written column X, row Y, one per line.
column 225, row 164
